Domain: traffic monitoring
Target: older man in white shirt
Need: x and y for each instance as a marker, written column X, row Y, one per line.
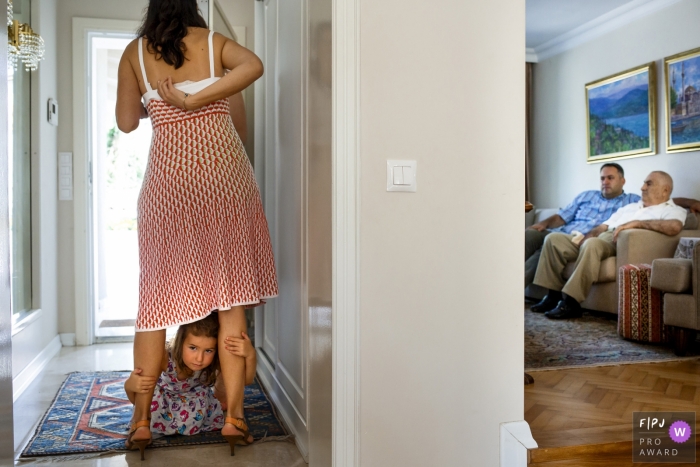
column 656, row 211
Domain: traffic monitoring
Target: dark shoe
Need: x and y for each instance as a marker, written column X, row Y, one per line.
column 565, row 309
column 549, row 302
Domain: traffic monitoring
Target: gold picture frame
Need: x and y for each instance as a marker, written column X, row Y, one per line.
column 682, row 102
column 621, row 115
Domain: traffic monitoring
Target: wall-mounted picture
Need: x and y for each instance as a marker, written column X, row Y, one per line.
column 683, row 101
column 622, row 115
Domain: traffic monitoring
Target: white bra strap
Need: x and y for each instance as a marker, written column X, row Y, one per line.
column 143, row 68
column 211, row 53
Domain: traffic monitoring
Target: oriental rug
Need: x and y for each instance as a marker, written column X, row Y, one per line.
column 91, row 414
column 591, row 340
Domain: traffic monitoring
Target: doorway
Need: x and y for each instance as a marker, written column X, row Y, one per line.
column 118, row 164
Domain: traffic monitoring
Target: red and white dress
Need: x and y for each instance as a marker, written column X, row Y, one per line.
column 204, row 243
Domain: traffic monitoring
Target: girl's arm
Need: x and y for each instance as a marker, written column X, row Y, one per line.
column 137, row 384
column 242, row 347
column 245, row 68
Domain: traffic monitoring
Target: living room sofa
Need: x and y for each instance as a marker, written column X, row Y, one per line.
column 634, row 246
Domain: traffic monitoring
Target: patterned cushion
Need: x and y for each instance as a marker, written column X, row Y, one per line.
column 685, row 248
column 640, row 314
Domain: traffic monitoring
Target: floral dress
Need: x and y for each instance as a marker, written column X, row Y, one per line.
column 184, row 407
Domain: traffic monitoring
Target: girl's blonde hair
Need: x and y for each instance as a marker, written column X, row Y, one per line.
column 206, row 327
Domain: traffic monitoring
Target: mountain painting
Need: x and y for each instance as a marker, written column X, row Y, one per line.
column 683, row 102
column 621, row 115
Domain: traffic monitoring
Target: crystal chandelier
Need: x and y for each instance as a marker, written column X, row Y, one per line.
column 23, row 44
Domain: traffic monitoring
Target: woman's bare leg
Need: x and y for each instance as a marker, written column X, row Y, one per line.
column 232, row 323
column 148, row 355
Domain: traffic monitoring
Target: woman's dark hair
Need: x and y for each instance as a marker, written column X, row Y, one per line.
column 206, row 327
column 165, row 25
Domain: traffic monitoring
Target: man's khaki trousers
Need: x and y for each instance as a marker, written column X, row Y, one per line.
column 558, row 250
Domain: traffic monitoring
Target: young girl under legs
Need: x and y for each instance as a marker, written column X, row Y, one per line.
column 184, row 400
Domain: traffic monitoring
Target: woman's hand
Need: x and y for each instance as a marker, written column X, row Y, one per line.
column 239, row 346
column 173, row 96
column 139, row 384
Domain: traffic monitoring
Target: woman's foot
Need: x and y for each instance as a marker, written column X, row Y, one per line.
column 139, row 436
column 142, row 433
column 237, row 427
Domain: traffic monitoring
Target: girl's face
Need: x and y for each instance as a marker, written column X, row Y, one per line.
column 198, row 352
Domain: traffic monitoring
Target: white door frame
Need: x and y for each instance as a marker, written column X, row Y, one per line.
column 346, row 209
column 346, row 233
column 82, row 224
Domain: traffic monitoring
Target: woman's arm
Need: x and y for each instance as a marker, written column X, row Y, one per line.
column 245, row 68
column 129, row 108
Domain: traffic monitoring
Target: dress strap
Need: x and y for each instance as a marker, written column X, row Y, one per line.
column 143, row 68
column 211, row 53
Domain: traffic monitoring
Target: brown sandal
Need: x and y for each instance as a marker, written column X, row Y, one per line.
column 138, row 443
column 241, row 426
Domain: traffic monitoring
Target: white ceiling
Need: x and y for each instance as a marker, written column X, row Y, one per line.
column 548, row 19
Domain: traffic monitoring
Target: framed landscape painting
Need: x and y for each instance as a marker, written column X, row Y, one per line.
column 682, row 73
column 621, row 115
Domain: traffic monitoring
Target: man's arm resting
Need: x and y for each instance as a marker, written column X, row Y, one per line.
column 668, row 227
column 549, row 223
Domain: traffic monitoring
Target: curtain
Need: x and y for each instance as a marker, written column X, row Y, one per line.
column 528, row 118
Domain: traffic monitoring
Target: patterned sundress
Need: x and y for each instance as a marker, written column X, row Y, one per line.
column 184, row 407
column 204, row 243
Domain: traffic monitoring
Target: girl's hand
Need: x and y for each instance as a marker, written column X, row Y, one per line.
column 239, row 346
column 170, row 94
column 139, row 384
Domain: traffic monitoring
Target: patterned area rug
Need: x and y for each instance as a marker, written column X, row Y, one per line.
column 91, row 414
column 588, row 341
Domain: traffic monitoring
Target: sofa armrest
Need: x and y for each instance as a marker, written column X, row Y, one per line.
column 671, row 275
column 637, row 246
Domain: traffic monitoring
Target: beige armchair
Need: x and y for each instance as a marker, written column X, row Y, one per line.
column 634, row 246
column 679, row 279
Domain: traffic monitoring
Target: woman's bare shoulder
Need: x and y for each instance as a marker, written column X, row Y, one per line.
column 131, row 51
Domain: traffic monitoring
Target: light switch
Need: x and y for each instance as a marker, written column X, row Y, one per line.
column 407, row 175
column 65, row 176
column 398, row 175
column 401, row 175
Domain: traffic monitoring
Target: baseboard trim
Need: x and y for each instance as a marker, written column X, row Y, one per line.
column 516, row 441
column 25, row 377
column 285, row 406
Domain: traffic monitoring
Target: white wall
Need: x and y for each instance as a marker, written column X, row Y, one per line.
column 29, row 342
column 441, row 324
column 125, row 10
column 559, row 169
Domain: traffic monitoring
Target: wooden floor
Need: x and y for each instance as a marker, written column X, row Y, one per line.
column 583, row 417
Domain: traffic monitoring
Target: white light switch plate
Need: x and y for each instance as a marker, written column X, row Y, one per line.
column 401, row 175
column 65, row 176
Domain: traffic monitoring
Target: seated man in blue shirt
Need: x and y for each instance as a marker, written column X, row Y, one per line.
column 588, row 210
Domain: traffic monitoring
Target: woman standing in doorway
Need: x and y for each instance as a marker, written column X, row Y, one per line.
column 204, row 244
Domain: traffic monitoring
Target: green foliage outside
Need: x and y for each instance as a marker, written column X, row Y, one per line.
column 608, row 139
column 124, row 176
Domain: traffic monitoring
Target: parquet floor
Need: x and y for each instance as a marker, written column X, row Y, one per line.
column 587, row 412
